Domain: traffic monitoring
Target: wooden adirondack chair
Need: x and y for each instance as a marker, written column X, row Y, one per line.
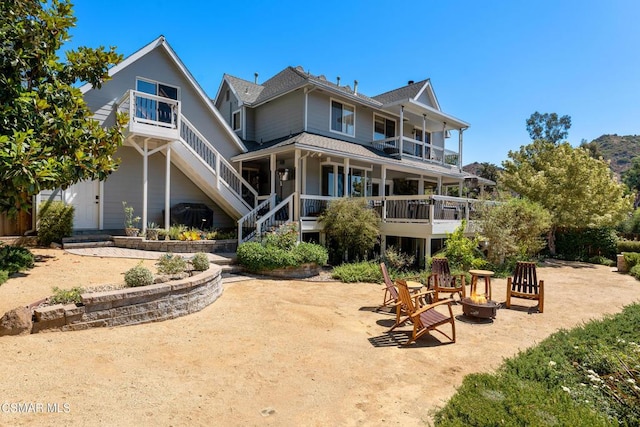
column 442, row 281
column 428, row 317
column 525, row 284
column 392, row 298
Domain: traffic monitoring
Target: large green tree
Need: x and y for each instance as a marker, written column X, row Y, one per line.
column 577, row 190
column 47, row 137
column 548, row 126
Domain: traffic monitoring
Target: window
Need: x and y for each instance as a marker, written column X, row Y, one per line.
column 150, row 109
column 383, row 128
column 332, row 180
column 343, row 118
column 236, row 122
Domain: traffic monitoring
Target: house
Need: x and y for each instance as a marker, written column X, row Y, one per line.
column 310, row 140
column 261, row 154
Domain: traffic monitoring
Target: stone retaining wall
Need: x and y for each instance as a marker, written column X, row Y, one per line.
column 130, row 306
column 176, row 246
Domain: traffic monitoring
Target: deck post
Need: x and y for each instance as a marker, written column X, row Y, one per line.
column 401, row 130
column 145, row 185
column 460, row 149
column 167, row 190
column 424, row 140
column 345, row 185
column 297, row 175
column 272, row 173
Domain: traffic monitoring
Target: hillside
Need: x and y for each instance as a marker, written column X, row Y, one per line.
column 620, row 150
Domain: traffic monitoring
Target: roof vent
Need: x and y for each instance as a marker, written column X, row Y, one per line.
column 355, row 87
column 410, row 82
column 255, row 78
column 338, row 81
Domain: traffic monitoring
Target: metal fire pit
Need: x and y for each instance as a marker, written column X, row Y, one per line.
column 485, row 310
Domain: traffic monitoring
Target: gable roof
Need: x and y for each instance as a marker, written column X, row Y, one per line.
column 161, row 43
column 410, row 91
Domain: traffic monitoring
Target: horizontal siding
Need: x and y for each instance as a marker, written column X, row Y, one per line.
column 126, row 185
column 281, row 117
column 318, row 120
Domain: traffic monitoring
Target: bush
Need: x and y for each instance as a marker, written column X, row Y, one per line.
column 398, row 260
column 631, row 259
column 138, row 276
column 580, row 245
column 55, row 221
column 599, row 259
column 628, row 246
column 171, row 264
column 364, row 271
column 306, row 253
column 15, row 258
column 461, row 251
column 66, row 296
column 635, row 271
column 200, row 261
column 587, row 376
column 352, row 229
column 4, row 276
column 284, row 237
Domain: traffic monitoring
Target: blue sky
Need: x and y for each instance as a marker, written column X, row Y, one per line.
column 491, row 64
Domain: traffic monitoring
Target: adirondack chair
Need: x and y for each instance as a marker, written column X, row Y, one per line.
column 442, row 281
column 525, row 284
column 427, row 317
column 392, row 298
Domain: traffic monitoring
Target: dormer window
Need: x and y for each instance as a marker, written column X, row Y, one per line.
column 236, row 120
column 343, row 118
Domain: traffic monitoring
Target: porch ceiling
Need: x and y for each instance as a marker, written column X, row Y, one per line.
column 414, row 111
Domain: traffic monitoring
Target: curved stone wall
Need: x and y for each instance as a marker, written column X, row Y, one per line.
column 130, row 306
column 176, row 246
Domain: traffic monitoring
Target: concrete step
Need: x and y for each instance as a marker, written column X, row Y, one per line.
column 88, row 244
column 223, row 258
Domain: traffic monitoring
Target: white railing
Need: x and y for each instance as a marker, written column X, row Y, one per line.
column 247, row 224
column 225, row 173
column 281, row 214
column 412, row 148
column 312, row 206
column 150, row 109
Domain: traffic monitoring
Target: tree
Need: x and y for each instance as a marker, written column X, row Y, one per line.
column 513, row 229
column 548, row 126
column 352, row 228
column 47, row 137
column 577, row 190
column 631, row 176
column 593, row 148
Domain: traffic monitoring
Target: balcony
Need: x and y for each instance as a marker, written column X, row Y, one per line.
column 150, row 115
column 409, row 148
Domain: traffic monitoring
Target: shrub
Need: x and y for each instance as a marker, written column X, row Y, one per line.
column 461, row 251
column 284, row 237
column 171, row 264
column 580, row 245
column 15, row 258
column 364, row 271
column 66, row 296
column 306, row 253
column 351, row 227
column 4, row 276
column 55, row 221
column 631, row 259
column 200, row 261
column 190, row 235
column 138, row 276
column 635, row 271
column 398, row 260
column 599, row 259
column 176, row 230
column 628, row 246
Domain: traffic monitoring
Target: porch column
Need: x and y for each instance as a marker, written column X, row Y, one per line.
column 303, row 174
column 460, row 187
column 444, row 136
column 383, row 179
column 439, row 189
column 424, row 140
column 345, row 186
column 145, row 185
column 460, row 149
column 272, row 173
column 421, row 186
column 297, row 178
column 427, row 249
column 401, row 131
column 167, row 190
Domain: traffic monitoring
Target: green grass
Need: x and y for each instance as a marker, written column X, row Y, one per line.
column 589, row 376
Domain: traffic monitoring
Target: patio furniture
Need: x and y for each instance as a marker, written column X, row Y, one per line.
column 484, row 274
column 442, row 281
column 426, row 317
column 525, row 284
column 392, row 298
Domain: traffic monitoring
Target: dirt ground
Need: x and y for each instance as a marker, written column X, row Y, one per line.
column 269, row 352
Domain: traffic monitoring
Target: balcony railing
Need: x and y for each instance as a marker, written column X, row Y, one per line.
column 152, row 110
column 406, row 147
column 413, row 209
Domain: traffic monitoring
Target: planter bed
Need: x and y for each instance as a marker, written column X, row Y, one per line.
column 176, row 246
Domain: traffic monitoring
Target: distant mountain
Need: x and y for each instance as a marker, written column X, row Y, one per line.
column 619, row 150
